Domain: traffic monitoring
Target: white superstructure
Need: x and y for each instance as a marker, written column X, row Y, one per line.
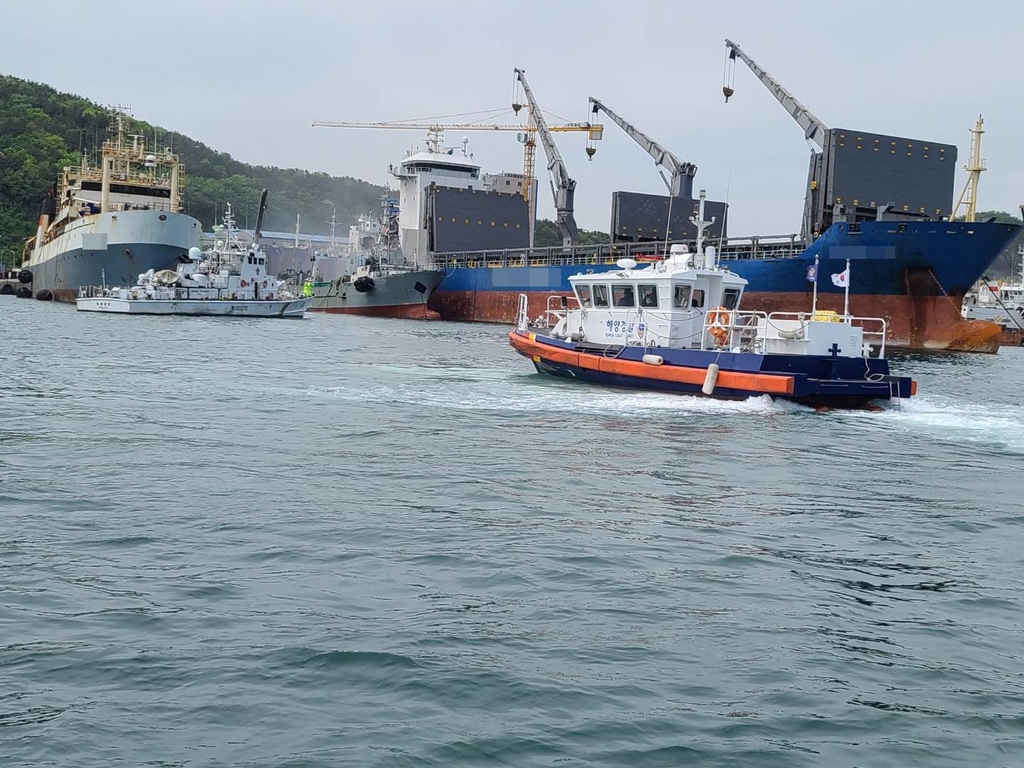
column 452, row 167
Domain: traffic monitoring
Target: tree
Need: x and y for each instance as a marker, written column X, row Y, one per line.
column 546, row 235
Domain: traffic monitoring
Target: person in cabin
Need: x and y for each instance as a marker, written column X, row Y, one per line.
column 625, row 297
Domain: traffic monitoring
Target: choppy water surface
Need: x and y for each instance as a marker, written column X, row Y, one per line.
column 348, row 541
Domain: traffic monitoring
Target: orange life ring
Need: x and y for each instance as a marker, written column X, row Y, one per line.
column 720, row 320
column 243, row 284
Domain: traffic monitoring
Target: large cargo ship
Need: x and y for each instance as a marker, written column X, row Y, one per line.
column 883, row 202
column 913, row 274
column 112, row 223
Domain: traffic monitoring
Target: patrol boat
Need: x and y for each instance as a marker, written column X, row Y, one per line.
column 229, row 280
column 676, row 325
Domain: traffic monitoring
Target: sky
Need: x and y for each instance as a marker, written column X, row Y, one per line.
column 248, row 77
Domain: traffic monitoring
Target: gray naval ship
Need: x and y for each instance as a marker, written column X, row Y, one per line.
column 111, row 223
column 374, row 278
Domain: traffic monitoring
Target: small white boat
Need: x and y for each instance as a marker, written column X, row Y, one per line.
column 229, row 280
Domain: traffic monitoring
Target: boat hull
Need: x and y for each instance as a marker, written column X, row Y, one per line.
column 293, row 308
column 401, row 295
column 818, row 382
column 912, row 274
column 110, row 248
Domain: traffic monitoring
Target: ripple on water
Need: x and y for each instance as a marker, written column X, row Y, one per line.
column 448, row 560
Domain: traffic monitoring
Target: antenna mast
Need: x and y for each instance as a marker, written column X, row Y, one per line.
column 974, row 167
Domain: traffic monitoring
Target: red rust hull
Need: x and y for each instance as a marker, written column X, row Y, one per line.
column 401, row 311
column 914, row 322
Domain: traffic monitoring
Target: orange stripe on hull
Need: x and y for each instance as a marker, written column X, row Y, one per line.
column 749, row 382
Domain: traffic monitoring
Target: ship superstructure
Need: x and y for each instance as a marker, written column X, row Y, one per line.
column 445, row 203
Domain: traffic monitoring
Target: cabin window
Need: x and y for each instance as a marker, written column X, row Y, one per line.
column 649, row 296
column 731, row 298
column 681, row 297
column 583, row 294
column 600, row 295
column 623, row 296
column 698, row 299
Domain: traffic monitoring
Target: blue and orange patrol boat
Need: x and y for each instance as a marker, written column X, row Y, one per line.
column 677, row 326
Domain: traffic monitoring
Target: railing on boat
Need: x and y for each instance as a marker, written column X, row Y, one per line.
column 607, row 254
column 747, row 330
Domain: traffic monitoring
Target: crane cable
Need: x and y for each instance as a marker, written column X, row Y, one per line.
column 729, row 75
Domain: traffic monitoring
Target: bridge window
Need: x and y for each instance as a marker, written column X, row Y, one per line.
column 681, row 297
column 583, row 294
column 623, row 296
column 698, row 299
column 600, row 295
column 731, row 298
column 649, row 296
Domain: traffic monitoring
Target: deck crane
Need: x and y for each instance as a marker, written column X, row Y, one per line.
column 814, row 129
column 563, row 188
column 680, row 181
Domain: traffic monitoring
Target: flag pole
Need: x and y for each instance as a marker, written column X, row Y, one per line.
column 814, row 301
column 846, row 292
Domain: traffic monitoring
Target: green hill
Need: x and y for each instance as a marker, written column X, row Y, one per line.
column 42, row 130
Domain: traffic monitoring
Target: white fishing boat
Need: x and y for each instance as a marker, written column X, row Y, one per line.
column 229, row 280
column 1000, row 302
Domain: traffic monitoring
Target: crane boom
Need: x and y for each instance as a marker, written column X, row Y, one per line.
column 680, row 183
column 814, row 129
column 563, row 188
column 437, row 127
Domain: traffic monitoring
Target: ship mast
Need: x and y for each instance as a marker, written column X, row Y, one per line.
column 974, row 167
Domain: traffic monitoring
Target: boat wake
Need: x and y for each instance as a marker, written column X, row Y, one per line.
column 999, row 426
column 496, row 391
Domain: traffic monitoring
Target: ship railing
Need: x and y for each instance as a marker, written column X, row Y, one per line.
column 794, row 326
column 608, row 254
column 523, row 314
column 734, row 329
column 556, row 310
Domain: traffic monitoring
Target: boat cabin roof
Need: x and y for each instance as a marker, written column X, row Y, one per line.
column 676, row 283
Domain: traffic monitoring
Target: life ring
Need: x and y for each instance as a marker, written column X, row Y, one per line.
column 720, row 320
column 243, row 283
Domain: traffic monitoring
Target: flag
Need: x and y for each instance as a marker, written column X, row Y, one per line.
column 842, row 280
column 812, row 273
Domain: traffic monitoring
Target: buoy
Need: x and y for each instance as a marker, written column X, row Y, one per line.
column 44, row 295
column 23, row 293
column 25, row 276
column 710, row 379
column 653, row 359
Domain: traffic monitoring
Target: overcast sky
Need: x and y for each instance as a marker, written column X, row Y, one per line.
column 249, row 77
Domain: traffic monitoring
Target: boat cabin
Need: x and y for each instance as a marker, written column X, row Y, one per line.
column 665, row 304
column 689, row 302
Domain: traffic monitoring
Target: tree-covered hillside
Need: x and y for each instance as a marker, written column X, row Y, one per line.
column 42, row 130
